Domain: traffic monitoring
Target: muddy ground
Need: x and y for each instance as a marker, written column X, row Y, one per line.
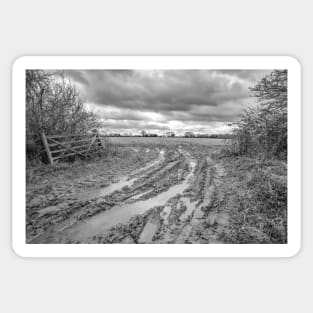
column 160, row 190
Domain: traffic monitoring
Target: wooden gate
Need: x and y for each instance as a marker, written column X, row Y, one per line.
column 63, row 146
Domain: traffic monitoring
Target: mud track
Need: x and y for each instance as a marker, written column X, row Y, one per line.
column 162, row 195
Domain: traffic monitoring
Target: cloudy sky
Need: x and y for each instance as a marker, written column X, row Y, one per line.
column 202, row 101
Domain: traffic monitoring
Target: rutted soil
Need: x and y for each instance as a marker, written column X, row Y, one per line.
column 150, row 192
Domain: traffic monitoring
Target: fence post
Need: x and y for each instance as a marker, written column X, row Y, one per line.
column 99, row 140
column 45, row 143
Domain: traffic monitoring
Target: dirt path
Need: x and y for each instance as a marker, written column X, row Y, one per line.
column 166, row 198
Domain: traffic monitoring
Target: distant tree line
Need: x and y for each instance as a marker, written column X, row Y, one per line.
column 172, row 135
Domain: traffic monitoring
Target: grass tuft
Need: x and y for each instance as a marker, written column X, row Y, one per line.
column 254, row 194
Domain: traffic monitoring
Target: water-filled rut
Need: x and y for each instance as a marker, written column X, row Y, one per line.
column 122, row 213
column 82, row 231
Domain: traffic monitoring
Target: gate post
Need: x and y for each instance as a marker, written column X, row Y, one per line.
column 99, row 140
column 46, row 145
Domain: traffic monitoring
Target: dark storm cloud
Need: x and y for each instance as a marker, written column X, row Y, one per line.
column 166, row 97
column 77, row 76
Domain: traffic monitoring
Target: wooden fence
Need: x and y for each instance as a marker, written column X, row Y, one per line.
column 63, row 146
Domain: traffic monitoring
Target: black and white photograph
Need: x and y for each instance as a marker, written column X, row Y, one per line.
column 156, row 156
column 126, row 156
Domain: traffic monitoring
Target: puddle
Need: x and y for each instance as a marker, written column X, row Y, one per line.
column 190, row 208
column 166, row 213
column 116, row 186
column 50, row 209
column 128, row 240
column 150, row 164
column 123, row 182
column 121, row 214
column 136, row 197
column 93, row 194
column 148, row 232
column 198, row 214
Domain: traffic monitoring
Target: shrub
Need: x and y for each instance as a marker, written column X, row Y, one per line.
column 262, row 129
column 53, row 106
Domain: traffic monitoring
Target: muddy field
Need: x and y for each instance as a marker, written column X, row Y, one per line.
column 151, row 190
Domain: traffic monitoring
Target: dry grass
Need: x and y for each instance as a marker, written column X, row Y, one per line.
column 254, row 194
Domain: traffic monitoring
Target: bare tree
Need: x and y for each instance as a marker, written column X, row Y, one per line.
column 189, row 135
column 144, row 133
column 54, row 106
column 272, row 87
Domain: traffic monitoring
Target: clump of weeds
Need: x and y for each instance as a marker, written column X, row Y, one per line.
column 254, row 195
